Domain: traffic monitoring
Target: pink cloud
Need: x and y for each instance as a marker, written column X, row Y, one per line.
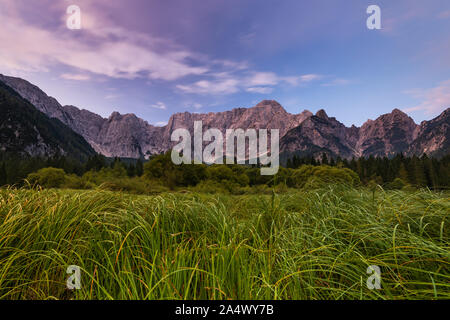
column 261, row 90
column 75, row 77
column 444, row 14
column 226, row 86
column 100, row 47
column 159, row 105
column 434, row 100
column 255, row 82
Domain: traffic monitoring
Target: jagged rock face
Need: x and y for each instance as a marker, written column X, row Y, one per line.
column 118, row 136
column 26, row 130
column 121, row 136
column 389, row 134
column 86, row 123
column 319, row 134
column 48, row 105
column 129, row 136
column 304, row 133
column 268, row 114
column 433, row 137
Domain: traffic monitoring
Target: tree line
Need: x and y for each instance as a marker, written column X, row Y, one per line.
column 15, row 168
column 421, row 171
column 396, row 172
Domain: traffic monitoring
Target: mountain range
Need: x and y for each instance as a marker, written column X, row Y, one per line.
column 304, row 134
column 26, row 130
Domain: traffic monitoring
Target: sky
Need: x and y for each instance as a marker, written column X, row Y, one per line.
column 154, row 58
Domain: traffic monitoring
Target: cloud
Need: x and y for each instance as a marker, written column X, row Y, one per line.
column 444, row 14
column 263, row 79
column 310, row 77
column 99, row 47
column 434, row 100
column 262, row 90
column 75, row 77
column 159, row 105
column 161, row 123
column 112, row 96
column 301, row 80
column 225, row 86
column 254, row 82
column 102, row 47
column 272, row 79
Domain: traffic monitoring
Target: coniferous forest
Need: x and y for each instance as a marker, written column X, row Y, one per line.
column 393, row 173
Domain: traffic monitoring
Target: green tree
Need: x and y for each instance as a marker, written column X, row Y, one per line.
column 131, row 170
column 420, row 178
column 402, row 173
column 139, row 168
column 3, row 175
column 324, row 159
column 119, row 170
column 48, row 177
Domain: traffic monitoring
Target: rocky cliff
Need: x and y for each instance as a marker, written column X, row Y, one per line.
column 303, row 133
column 27, row 131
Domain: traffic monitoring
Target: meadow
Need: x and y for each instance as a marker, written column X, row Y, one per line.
column 299, row 244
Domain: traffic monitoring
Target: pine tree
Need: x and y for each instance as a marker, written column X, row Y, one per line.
column 3, row 176
column 131, row 170
column 402, row 173
column 332, row 162
column 324, row 159
column 430, row 172
column 289, row 163
column 139, row 168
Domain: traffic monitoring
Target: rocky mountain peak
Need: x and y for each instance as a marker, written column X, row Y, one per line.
column 322, row 114
column 129, row 136
column 114, row 116
column 269, row 106
column 398, row 111
column 397, row 115
column 390, row 133
column 433, row 137
column 117, row 116
column 269, row 103
column 307, row 113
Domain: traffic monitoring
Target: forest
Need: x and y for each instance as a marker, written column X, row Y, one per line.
column 159, row 173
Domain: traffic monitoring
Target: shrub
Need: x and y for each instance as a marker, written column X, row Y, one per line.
column 48, row 177
column 397, row 184
column 317, row 176
column 210, row 186
column 75, row 182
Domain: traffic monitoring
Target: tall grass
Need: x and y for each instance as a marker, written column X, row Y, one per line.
column 305, row 245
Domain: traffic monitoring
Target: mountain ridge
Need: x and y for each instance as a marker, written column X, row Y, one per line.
column 25, row 130
column 126, row 135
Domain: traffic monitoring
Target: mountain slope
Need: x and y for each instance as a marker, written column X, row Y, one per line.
column 118, row 136
column 305, row 134
column 26, row 130
column 316, row 135
column 433, row 137
column 387, row 135
column 268, row 114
